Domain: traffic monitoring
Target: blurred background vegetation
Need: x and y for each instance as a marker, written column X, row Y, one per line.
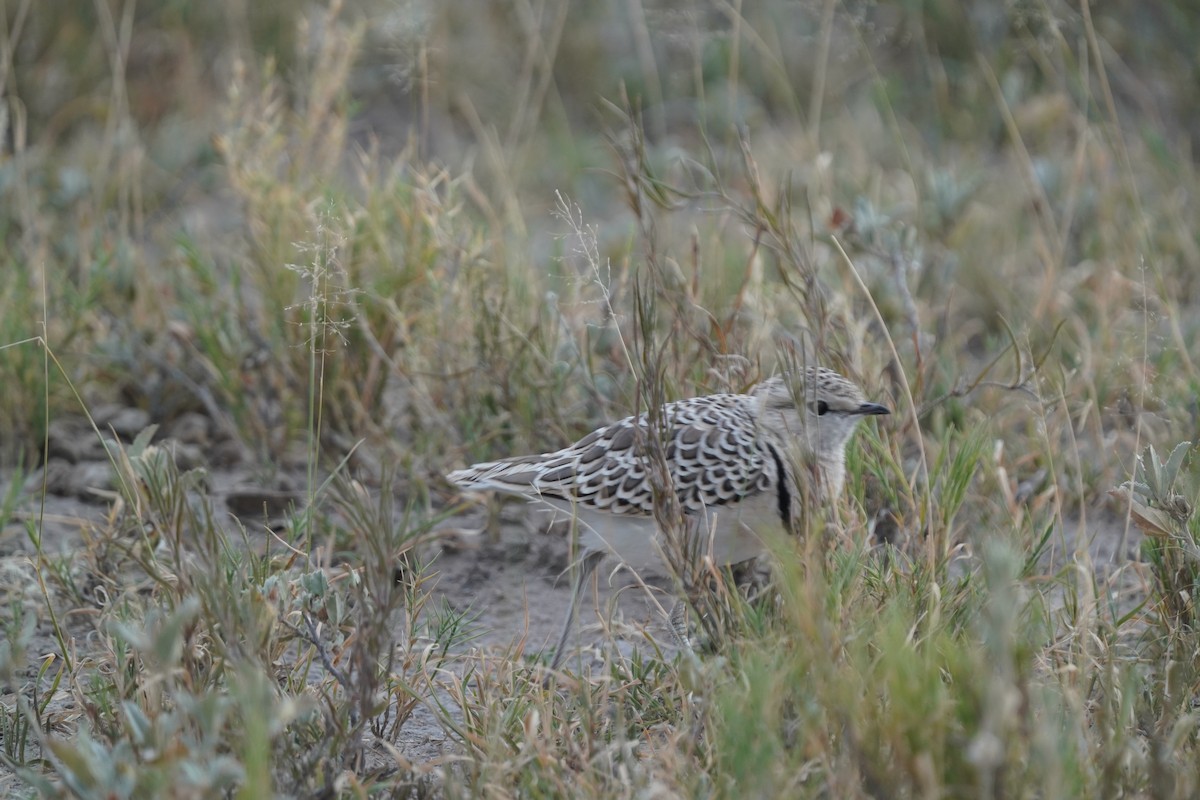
column 456, row 230
column 165, row 162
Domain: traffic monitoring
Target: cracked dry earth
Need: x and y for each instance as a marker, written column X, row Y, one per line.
column 513, row 580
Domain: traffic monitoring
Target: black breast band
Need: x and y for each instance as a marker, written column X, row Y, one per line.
column 784, row 492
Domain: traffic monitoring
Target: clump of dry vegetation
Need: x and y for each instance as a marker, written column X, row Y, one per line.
column 342, row 248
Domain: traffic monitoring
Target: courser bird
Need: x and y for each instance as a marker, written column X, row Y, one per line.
column 730, row 463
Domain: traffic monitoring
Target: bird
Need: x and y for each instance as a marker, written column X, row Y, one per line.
column 729, row 460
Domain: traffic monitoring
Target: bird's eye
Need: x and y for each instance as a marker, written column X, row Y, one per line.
column 821, row 407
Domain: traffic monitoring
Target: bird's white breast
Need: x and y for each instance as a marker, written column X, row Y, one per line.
column 728, row 535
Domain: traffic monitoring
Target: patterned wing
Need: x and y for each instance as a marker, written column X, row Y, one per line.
column 713, row 453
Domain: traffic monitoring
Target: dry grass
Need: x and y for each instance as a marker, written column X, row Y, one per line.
column 372, row 241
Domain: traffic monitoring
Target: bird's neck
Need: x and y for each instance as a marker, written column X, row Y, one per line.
column 823, row 476
column 832, row 476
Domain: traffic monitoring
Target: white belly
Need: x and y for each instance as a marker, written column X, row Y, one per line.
column 729, row 535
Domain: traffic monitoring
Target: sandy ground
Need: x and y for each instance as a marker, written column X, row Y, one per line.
column 513, row 579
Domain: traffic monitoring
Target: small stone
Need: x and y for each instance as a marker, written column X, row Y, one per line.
column 129, row 422
column 57, row 480
column 190, row 427
column 73, row 440
column 89, row 479
column 254, row 502
column 104, row 414
column 187, row 456
column 227, row 454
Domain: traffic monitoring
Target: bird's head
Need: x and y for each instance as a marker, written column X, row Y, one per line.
column 819, row 409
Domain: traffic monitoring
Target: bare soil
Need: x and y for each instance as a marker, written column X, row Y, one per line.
column 513, row 579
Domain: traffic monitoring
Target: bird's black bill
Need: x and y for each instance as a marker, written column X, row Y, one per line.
column 872, row 409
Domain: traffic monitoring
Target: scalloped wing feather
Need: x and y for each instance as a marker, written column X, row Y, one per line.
column 713, row 450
